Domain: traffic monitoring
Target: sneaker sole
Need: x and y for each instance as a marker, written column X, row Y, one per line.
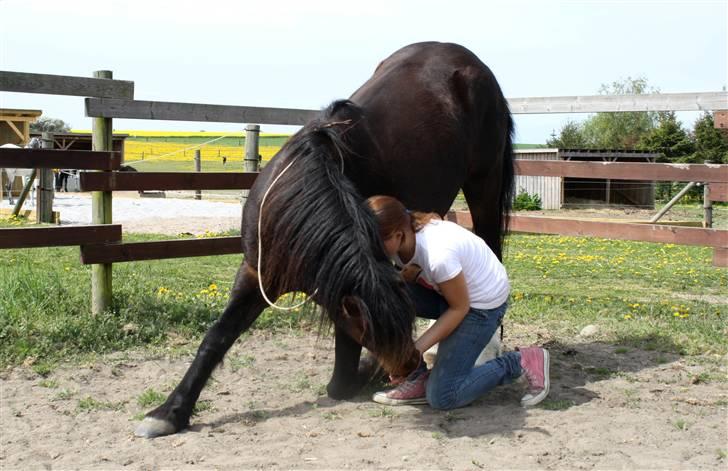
column 529, row 400
column 382, row 398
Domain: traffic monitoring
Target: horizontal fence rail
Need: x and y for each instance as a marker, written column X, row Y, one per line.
column 609, row 230
column 136, row 109
column 718, row 192
column 623, row 170
column 132, row 181
column 703, row 101
column 24, row 238
column 138, row 251
column 50, row 158
column 172, row 111
column 24, row 82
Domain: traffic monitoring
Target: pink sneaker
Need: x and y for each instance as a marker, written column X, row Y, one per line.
column 411, row 391
column 535, row 365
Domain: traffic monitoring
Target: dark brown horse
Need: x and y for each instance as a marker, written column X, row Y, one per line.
column 431, row 120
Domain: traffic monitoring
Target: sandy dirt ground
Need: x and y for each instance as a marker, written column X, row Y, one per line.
column 266, row 409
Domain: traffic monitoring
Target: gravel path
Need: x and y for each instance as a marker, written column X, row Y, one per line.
column 151, row 215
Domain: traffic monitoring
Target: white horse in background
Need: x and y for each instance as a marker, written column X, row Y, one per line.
column 25, row 173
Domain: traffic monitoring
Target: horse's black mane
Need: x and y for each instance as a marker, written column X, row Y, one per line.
column 319, row 236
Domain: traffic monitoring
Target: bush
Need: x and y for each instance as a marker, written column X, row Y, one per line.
column 527, row 202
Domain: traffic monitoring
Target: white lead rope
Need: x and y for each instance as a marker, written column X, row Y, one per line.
column 260, row 250
column 260, row 240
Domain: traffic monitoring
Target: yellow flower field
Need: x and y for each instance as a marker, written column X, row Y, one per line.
column 135, row 151
column 143, row 149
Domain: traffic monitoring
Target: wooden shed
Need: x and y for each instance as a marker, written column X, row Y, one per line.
column 15, row 129
column 81, row 141
column 15, row 125
column 559, row 192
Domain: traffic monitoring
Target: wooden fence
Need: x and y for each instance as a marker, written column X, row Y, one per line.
column 101, row 243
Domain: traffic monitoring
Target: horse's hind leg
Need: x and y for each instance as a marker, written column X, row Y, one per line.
column 244, row 307
column 482, row 192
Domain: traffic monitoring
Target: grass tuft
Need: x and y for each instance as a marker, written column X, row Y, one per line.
column 556, row 404
column 151, row 398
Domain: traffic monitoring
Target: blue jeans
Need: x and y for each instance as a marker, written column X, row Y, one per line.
column 454, row 381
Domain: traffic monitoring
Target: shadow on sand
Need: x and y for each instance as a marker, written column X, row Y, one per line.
column 574, row 367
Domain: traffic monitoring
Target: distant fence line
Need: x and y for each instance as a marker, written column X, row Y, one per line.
column 101, row 243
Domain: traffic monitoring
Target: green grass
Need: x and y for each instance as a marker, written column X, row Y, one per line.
column 151, row 398
column 648, row 296
column 48, row 383
column 202, row 406
column 680, row 424
column 386, row 412
column 562, row 404
column 651, row 296
column 235, row 363
column 185, row 166
column 45, row 303
column 89, row 404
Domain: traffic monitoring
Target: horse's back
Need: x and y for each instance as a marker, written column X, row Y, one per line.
column 428, row 109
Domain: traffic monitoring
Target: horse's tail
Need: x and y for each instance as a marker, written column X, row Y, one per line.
column 505, row 198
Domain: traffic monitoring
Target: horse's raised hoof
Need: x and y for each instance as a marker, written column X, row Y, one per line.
column 152, row 427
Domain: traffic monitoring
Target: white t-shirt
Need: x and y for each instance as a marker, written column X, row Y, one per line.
column 443, row 250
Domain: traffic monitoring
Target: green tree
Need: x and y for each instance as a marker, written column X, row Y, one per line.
column 570, row 137
column 620, row 130
column 710, row 143
column 46, row 124
column 668, row 138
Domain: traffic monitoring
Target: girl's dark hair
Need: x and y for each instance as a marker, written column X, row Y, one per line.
column 392, row 216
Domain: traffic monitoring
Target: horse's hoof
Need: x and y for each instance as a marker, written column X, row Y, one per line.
column 341, row 393
column 151, row 427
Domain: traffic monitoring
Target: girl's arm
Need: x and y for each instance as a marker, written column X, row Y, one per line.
column 455, row 292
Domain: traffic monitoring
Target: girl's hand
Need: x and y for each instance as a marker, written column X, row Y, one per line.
column 421, row 368
column 410, row 272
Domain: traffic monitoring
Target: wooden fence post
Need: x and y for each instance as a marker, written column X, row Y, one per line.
column 101, row 212
column 44, row 198
column 198, row 168
column 251, row 163
column 707, row 204
column 672, row 202
column 24, row 192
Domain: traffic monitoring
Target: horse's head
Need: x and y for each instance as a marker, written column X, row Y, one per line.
column 381, row 318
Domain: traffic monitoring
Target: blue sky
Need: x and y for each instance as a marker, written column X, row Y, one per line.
column 303, row 54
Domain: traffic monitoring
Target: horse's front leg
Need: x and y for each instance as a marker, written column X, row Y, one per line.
column 244, row 307
column 350, row 373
